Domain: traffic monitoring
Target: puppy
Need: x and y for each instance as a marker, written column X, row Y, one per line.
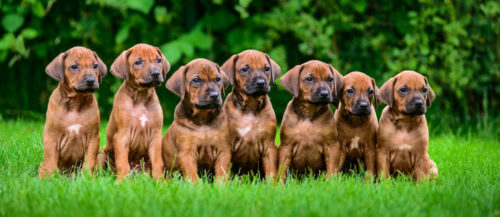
column 357, row 123
column 71, row 131
column 251, row 118
column 134, row 129
column 197, row 140
column 308, row 132
column 403, row 136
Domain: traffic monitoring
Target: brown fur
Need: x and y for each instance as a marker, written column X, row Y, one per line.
column 356, row 126
column 134, row 129
column 403, row 136
column 198, row 138
column 71, row 132
column 308, row 132
column 251, row 118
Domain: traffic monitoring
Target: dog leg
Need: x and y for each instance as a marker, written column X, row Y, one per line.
column 50, row 157
column 425, row 168
column 269, row 159
column 155, row 156
column 121, row 155
column 91, row 154
column 188, row 166
column 285, row 155
column 334, row 159
column 370, row 159
column 222, row 166
column 382, row 163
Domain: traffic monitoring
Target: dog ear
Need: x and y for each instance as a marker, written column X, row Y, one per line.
column 225, row 79
column 430, row 93
column 338, row 81
column 386, row 94
column 164, row 63
column 228, row 67
column 275, row 68
column 120, row 68
column 291, row 80
column 55, row 69
column 103, row 70
column 176, row 82
column 375, row 94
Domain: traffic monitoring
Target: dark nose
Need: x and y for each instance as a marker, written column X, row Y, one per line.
column 260, row 81
column 363, row 104
column 155, row 72
column 323, row 93
column 213, row 94
column 419, row 102
column 90, row 80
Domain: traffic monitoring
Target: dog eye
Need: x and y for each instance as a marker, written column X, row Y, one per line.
column 309, row 78
column 244, row 69
column 196, row 80
column 330, row 79
column 267, row 68
column 158, row 60
column 370, row 91
column 138, row 62
column 350, row 90
column 403, row 89
column 74, row 66
column 218, row 79
column 95, row 65
column 424, row 89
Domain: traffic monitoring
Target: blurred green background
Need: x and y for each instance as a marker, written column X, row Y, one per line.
column 456, row 44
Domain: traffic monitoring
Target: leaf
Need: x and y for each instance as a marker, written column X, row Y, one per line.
column 143, row 6
column 37, row 9
column 12, row 22
column 122, row 34
column 29, row 33
column 7, row 41
column 199, row 39
column 360, row 6
column 172, row 52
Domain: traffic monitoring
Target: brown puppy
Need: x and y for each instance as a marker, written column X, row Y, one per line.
column 403, row 136
column 308, row 132
column 252, row 122
column 198, row 137
column 71, row 132
column 357, row 123
column 134, row 129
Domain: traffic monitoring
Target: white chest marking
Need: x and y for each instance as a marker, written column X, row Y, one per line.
column 143, row 119
column 244, row 131
column 405, row 147
column 354, row 142
column 75, row 128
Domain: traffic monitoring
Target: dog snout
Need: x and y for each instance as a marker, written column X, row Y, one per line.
column 363, row 104
column 90, row 80
column 259, row 81
column 155, row 72
column 324, row 93
column 213, row 94
column 418, row 102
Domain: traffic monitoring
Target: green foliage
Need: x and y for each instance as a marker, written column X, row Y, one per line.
column 455, row 44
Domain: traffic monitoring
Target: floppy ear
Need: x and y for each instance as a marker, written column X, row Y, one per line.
column 55, row 69
column 228, row 67
column 375, row 95
column 103, row 70
column 176, row 82
column 386, row 94
column 225, row 80
column 164, row 63
column 430, row 94
column 338, row 81
column 275, row 68
column 120, row 68
column 290, row 80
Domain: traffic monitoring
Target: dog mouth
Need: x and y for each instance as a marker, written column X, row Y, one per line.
column 258, row 91
column 415, row 112
column 211, row 105
column 86, row 90
column 360, row 112
column 153, row 83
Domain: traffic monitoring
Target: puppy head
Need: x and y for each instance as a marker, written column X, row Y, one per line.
column 313, row 81
column 142, row 64
column 201, row 82
column 408, row 92
column 79, row 68
column 251, row 70
column 358, row 92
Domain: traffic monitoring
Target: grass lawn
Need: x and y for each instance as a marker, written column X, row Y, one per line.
column 468, row 185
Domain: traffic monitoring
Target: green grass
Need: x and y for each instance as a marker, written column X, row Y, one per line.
column 468, row 185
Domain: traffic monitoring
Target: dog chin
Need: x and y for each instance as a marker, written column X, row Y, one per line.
column 207, row 106
column 360, row 113
column 319, row 102
column 257, row 92
column 414, row 113
column 150, row 84
column 85, row 90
